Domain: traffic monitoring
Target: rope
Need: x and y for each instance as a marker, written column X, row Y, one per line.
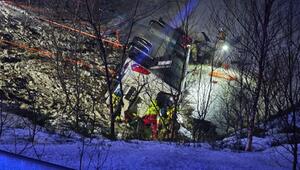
column 49, row 54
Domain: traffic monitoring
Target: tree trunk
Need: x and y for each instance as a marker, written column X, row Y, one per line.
column 295, row 149
column 250, row 133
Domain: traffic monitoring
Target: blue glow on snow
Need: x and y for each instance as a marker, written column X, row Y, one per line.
column 9, row 161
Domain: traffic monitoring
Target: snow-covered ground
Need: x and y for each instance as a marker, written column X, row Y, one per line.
column 104, row 154
column 153, row 155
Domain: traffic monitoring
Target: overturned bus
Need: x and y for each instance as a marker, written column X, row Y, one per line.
column 156, row 64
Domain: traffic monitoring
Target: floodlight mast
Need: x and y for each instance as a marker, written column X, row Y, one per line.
column 185, row 68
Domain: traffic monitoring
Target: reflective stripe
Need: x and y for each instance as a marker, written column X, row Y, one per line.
column 115, row 99
column 153, row 109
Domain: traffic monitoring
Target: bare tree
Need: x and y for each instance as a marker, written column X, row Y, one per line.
column 96, row 26
column 257, row 24
column 288, row 100
column 3, row 116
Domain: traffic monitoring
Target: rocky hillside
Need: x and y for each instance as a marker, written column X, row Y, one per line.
column 49, row 73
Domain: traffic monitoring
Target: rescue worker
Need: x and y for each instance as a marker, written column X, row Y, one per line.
column 199, row 49
column 159, row 114
column 165, row 121
column 221, row 35
column 151, row 118
column 117, row 104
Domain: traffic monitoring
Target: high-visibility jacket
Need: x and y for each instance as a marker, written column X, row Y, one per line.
column 115, row 99
column 165, row 119
column 153, row 109
column 170, row 112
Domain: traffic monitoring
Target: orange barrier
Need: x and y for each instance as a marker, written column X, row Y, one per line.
column 69, row 28
column 109, row 42
column 40, row 52
column 222, row 75
column 115, row 44
column 49, row 54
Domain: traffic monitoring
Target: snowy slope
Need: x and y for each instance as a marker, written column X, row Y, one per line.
column 155, row 155
column 105, row 154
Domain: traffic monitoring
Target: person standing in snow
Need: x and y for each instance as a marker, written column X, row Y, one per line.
column 159, row 114
column 151, row 118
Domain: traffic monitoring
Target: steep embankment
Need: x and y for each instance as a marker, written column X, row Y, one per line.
column 49, row 72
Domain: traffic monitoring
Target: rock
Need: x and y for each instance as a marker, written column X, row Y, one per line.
column 10, row 59
column 6, row 36
column 24, row 106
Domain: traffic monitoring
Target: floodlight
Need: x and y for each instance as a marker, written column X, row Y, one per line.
column 225, row 47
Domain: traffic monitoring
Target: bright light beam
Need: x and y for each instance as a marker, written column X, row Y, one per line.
column 184, row 12
column 225, row 47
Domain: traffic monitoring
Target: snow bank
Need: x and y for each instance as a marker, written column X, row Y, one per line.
column 105, row 154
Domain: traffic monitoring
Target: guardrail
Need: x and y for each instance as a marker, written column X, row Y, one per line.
column 15, row 161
